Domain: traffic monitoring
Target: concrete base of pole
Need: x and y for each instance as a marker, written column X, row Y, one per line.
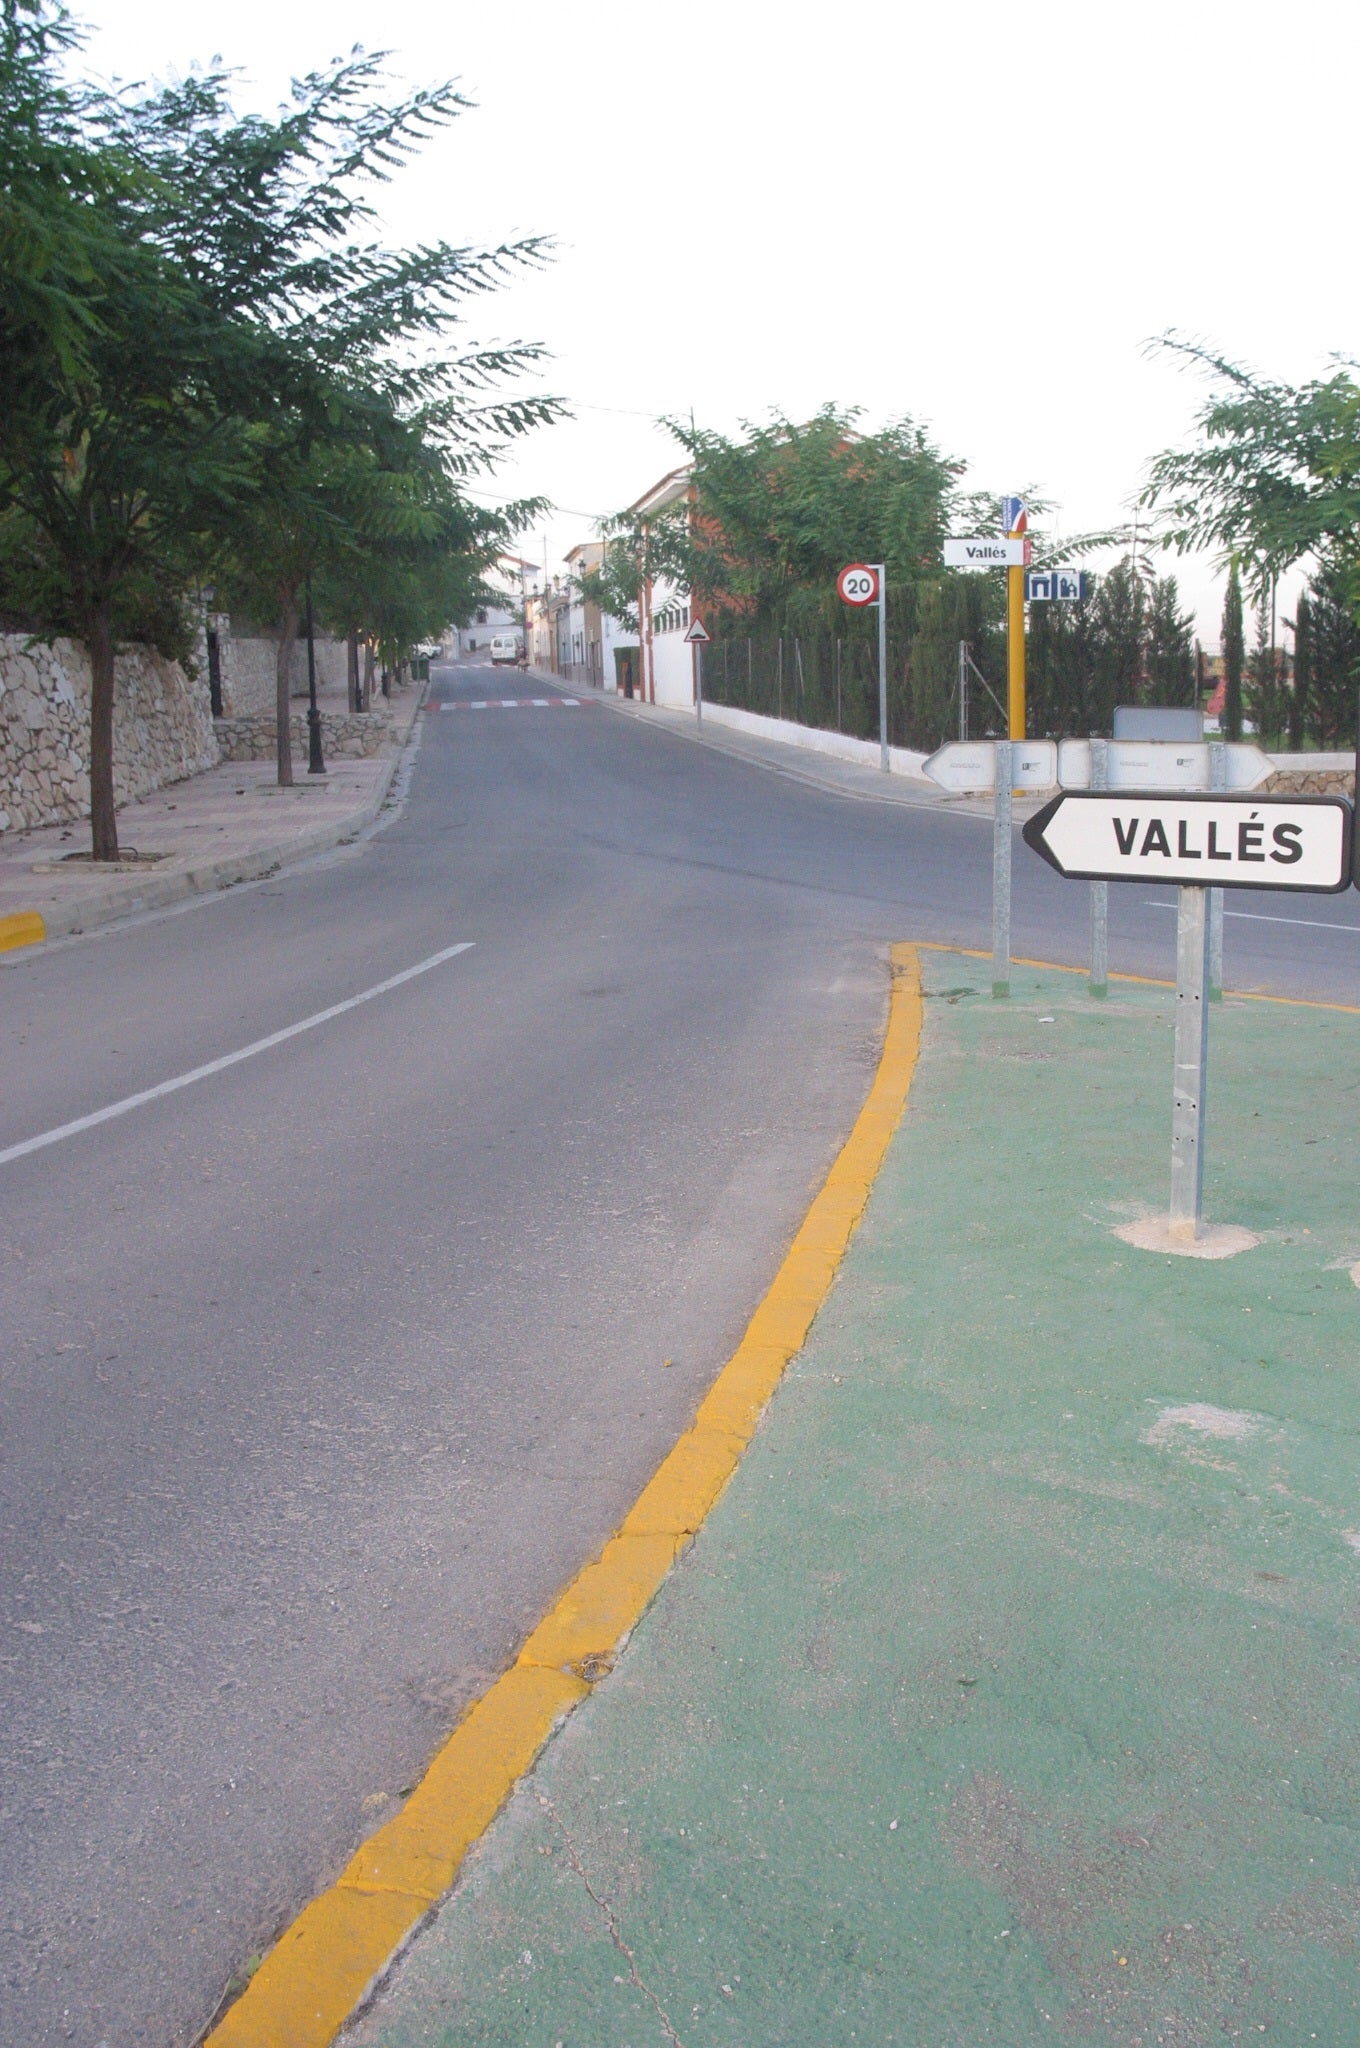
column 1215, row 1241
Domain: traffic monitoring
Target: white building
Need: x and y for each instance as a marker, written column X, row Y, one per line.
column 518, row 580
column 667, row 662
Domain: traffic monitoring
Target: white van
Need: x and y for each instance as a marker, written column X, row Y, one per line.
column 504, row 648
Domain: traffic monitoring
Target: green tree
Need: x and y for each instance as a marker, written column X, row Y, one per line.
column 114, row 440
column 1234, row 655
column 1274, row 477
column 1334, row 642
column 782, row 508
column 273, row 221
column 1265, row 697
column 1299, row 707
column 1170, row 655
column 1119, row 633
column 192, row 314
column 1064, row 667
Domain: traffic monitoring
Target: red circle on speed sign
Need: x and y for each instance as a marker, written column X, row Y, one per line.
column 857, row 584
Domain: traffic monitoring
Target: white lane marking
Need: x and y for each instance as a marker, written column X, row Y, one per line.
column 1318, row 924
column 228, row 1059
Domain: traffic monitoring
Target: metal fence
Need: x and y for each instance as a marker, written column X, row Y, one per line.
column 831, row 681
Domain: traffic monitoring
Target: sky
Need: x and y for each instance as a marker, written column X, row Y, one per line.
column 975, row 214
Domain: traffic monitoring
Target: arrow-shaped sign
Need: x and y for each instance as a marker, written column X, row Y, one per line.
column 1216, row 841
column 962, row 765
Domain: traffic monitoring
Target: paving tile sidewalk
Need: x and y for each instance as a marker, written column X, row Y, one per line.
column 1010, row 1692
column 228, row 825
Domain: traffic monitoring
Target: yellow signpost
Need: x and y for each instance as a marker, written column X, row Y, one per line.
column 1016, row 521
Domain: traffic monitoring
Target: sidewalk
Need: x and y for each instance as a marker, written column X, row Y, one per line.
column 1009, row 1693
column 232, row 824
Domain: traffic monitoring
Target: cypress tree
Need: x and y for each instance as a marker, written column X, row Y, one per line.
column 1234, row 655
column 1303, row 672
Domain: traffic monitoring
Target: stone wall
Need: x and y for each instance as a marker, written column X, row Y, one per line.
column 345, row 735
column 249, row 662
column 1310, row 782
column 162, row 729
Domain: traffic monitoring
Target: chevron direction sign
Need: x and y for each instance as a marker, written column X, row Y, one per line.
column 1218, row 841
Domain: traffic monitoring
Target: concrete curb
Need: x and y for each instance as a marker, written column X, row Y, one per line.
column 158, row 892
column 333, row 1955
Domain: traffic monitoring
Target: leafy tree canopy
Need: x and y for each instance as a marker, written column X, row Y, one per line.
column 204, row 346
column 1274, row 477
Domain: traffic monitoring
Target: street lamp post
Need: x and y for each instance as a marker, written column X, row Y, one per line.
column 315, row 763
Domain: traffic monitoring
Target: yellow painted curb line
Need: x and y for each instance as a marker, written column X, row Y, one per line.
column 21, row 928
column 321, row 1968
column 1239, row 995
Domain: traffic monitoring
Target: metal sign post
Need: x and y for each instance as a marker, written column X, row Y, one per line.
column 1100, row 892
column 1200, row 843
column 1191, row 1062
column 865, row 583
column 698, row 638
column 1001, row 872
column 882, row 669
column 1218, row 779
column 1015, row 519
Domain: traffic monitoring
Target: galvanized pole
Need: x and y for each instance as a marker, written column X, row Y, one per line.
column 963, row 690
column 698, row 682
column 882, row 667
column 1192, row 1061
column 1100, row 891
column 1001, row 872
column 1218, row 779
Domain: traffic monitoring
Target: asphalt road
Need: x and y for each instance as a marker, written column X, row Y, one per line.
column 323, row 1373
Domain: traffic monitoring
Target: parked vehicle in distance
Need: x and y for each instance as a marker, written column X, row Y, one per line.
column 504, row 648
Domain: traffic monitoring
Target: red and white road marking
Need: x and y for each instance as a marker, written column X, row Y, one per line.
column 512, row 703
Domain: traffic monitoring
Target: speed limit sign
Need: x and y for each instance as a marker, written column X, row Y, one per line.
column 858, row 584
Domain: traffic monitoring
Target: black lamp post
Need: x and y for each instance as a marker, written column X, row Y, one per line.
column 315, row 764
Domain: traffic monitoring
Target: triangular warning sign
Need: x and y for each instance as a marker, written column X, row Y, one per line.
column 698, row 631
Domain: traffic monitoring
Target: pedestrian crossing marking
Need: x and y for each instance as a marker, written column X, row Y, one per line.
column 513, row 704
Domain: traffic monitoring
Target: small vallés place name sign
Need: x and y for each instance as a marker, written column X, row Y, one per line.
column 981, row 553
column 1209, row 841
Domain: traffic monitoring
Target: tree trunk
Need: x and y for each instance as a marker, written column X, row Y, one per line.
column 283, row 688
column 103, row 817
column 367, row 704
column 356, row 702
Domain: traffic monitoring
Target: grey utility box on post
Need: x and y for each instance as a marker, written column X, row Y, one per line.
column 1158, row 722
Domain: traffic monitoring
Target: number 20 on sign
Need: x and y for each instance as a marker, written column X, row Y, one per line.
column 858, row 584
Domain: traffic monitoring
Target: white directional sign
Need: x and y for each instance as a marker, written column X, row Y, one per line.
column 698, row 633
column 1162, row 764
column 1211, row 841
column 987, row 554
column 971, row 764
